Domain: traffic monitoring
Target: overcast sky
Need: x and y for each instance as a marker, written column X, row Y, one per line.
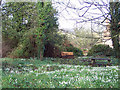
column 70, row 18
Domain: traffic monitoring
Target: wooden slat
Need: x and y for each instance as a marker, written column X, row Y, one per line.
column 66, row 53
column 94, row 61
column 101, row 58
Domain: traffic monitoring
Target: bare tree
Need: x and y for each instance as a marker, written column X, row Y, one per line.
column 97, row 12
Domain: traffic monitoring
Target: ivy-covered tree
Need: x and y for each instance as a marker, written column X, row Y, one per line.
column 30, row 25
column 115, row 26
column 17, row 18
column 46, row 25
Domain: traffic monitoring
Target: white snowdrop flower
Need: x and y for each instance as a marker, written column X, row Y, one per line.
column 71, row 78
column 110, row 76
column 68, row 65
column 88, row 69
column 36, row 74
column 76, row 66
column 76, row 76
column 15, row 79
column 7, row 69
column 53, row 86
column 20, row 65
column 31, row 71
column 65, row 82
column 61, row 82
column 42, row 66
column 12, row 71
column 36, row 69
column 96, row 77
column 10, row 79
column 39, row 81
column 82, row 70
column 103, row 80
column 116, row 75
column 16, row 71
column 48, row 65
column 22, row 59
column 66, row 75
column 109, row 80
column 64, row 69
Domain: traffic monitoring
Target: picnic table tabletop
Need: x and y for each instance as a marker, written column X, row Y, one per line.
column 101, row 58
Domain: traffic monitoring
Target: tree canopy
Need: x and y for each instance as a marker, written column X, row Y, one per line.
column 29, row 25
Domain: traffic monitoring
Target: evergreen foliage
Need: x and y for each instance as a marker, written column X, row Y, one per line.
column 101, row 50
column 76, row 51
column 30, row 25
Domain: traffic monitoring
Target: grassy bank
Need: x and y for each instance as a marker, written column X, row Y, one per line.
column 49, row 73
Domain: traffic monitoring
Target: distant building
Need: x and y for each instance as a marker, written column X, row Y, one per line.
column 106, row 36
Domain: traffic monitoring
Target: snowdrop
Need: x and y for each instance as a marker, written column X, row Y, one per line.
column 31, row 71
column 37, row 74
column 48, row 65
column 11, row 71
column 69, row 66
column 71, row 69
column 16, row 71
column 22, row 59
column 63, row 82
column 116, row 75
column 7, row 69
column 109, row 80
column 71, row 78
column 16, row 80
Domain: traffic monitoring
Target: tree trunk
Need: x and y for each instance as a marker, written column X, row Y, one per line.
column 115, row 26
column 40, row 50
column 115, row 41
column 41, row 41
column 41, row 56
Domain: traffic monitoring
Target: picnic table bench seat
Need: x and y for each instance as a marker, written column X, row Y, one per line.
column 94, row 62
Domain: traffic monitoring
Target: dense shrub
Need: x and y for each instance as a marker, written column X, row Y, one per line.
column 101, row 50
column 76, row 51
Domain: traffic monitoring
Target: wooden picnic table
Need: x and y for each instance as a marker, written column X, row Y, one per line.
column 94, row 62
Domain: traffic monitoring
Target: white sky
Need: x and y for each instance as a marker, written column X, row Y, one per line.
column 66, row 14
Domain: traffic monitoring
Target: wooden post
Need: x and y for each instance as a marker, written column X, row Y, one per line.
column 108, row 62
column 93, row 62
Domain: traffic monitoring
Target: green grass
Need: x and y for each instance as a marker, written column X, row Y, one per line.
column 49, row 73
